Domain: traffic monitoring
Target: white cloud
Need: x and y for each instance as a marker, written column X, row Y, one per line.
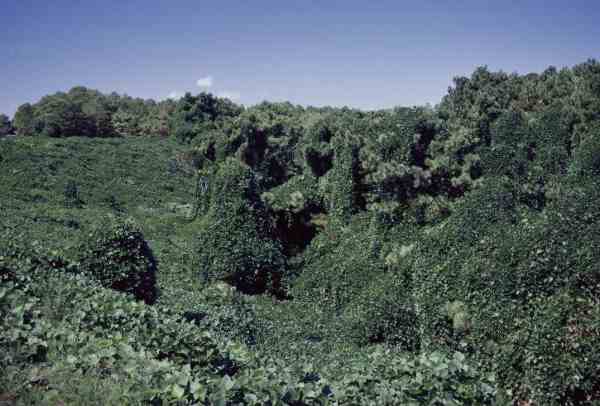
column 174, row 96
column 233, row 96
column 205, row 82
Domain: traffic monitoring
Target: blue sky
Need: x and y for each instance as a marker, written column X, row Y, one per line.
column 365, row 54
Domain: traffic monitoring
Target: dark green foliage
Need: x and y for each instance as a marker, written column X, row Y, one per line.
column 345, row 272
column 80, row 112
column 586, row 157
column 266, row 144
column 125, row 123
column 383, row 313
column 512, row 148
column 6, row 127
column 71, row 194
column 88, row 113
column 34, row 172
column 252, row 152
column 343, row 194
column 194, row 115
column 237, row 242
column 318, row 153
column 115, row 204
column 24, row 121
column 297, row 208
column 550, row 139
column 394, row 176
column 385, row 251
column 119, row 258
column 585, row 78
column 223, row 310
column 104, row 335
column 319, row 161
column 550, row 356
column 56, row 352
column 508, row 287
column 338, row 264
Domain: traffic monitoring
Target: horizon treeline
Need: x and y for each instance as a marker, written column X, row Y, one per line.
column 443, row 155
column 89, row 113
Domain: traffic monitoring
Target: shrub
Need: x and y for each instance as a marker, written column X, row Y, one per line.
column 72, row 196
column 236, row 243
column 295, row 206
column 117, row 255
column 383, row 313
column 342, row 186
column 550, row 354
column 508, row 154
column 515, row 289
column 339, row 263
column 586, row 157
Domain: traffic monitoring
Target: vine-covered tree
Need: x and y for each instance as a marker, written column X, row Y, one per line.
column 6, row 127
column 24, row 121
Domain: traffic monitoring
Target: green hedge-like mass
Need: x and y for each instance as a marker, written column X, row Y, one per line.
column 236, row 243
column 117, row 256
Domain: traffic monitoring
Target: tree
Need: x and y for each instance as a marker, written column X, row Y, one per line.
column 118, row 256
column 5, row 125
column 194, row 115
column 237, row 244
column 24, row 121
column 125, row 123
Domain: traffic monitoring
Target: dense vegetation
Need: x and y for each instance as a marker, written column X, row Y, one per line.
column 199, row 252
column 5, row 125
